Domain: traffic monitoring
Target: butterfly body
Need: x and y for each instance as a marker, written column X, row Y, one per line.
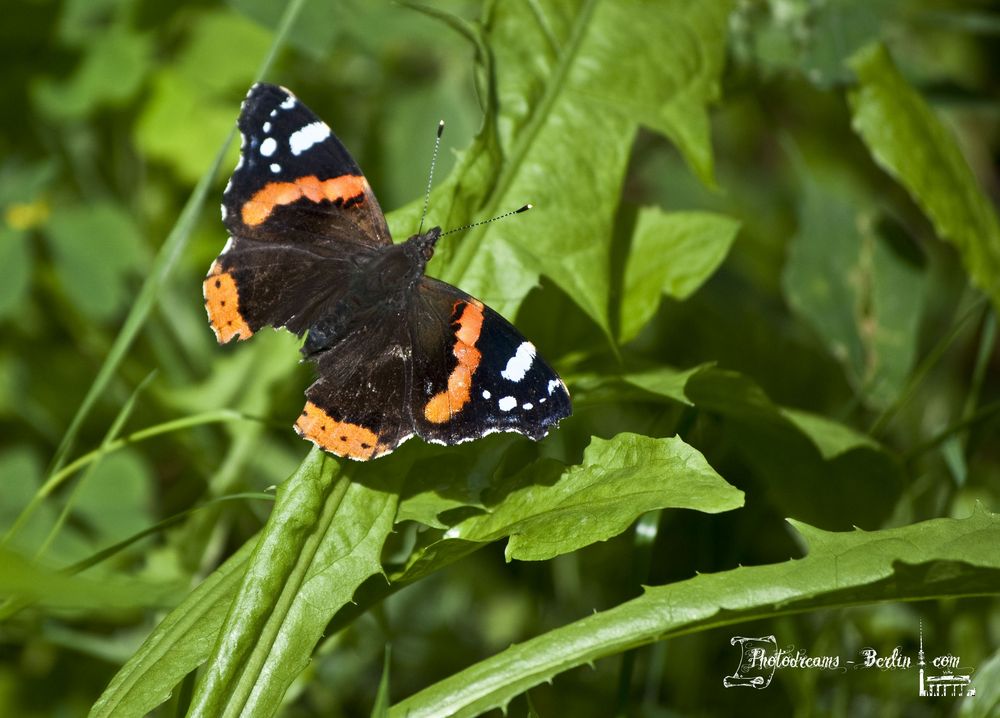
column 397, row 353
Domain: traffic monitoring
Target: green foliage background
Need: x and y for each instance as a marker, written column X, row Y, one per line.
column 765, row 256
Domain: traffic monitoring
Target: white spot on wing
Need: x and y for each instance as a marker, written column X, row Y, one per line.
column 229, row 242
column 268, row 146
column 518, row 365
column 275, row 167
column 486, row 395
column 507, row 403
column 274, row 113
column 223, row 208
column 305, row 137
column 527, row 406
column 266, row 127
column 553, row 385
column 289, row 103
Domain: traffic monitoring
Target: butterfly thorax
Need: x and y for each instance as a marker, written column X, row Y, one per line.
column 382, row 283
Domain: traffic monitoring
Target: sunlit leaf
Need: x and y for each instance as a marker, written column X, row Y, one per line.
column 619, row 480
column 909, row 142
column 932, row 559
column 671, row 254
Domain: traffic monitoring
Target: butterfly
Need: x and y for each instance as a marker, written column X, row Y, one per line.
column 397, row 353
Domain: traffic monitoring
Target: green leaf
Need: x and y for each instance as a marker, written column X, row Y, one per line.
column 862, row 298
column 986, row 702
column 321, row 542
column 546, row 514
column 111, row 73
column 932, row 559
column 570, row 93
column 161, row 137
column 856, row 486
column 673, row 254
column 220, row 40
column 179, row 644
column 814, row 467
column 96, row 248
column 910, row 143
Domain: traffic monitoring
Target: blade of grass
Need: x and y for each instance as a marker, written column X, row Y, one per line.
column 58, row 478
column 102, row 450
column 928, row 363
column 13, row 605
column 163, row 264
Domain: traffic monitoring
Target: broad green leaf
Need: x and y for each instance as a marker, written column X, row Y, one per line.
column 96, row 248
column 666, row 381
column 549, row 514
column 571, row 92
column 933, row 559
column 858, row 486
column 160, row 135
column 910, row 143
column 184, row 94
column 453, row 480
column 322, row 541
column 814, row 467
column 830, row 437
column 112, row 72
column 860, row 296
column 673, row 254
column 179, row 644
column 986, row 702
column 220, row 40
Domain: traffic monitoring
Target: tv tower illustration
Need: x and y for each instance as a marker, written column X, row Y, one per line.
column 920, row 660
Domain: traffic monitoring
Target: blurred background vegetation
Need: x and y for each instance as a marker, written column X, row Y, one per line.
column 112, row 111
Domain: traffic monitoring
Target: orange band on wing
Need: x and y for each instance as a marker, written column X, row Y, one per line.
column 339, row 437
column 259, row 207
column 222, row 301
column 444, row 404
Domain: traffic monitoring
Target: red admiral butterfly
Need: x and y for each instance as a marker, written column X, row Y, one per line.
column 398, row 353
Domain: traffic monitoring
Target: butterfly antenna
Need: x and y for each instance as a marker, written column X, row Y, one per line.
column 525, row 208
column 430, row 177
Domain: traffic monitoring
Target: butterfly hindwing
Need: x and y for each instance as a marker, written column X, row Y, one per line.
column 358, row 406
column 474, row 373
